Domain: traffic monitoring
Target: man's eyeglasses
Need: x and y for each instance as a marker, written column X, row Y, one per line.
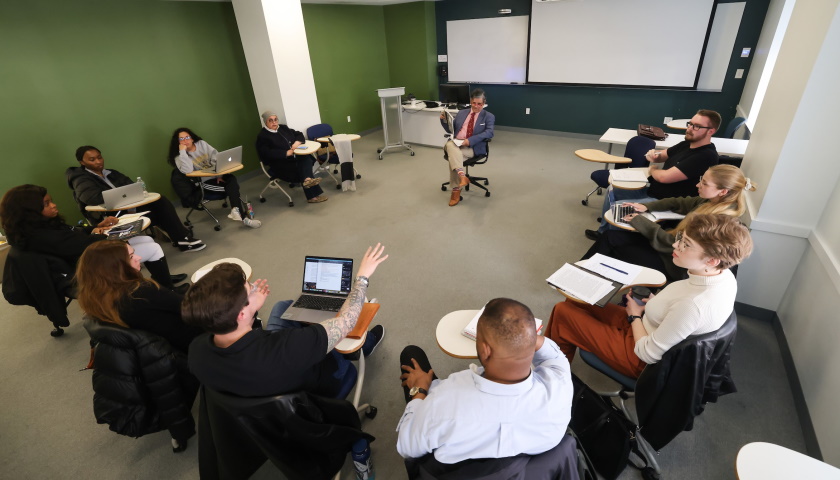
column 694, row 126
column 183, row 139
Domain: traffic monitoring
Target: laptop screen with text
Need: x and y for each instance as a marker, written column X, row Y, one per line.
column 332, row 276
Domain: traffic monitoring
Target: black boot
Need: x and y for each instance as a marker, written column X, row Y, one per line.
column 159, row 270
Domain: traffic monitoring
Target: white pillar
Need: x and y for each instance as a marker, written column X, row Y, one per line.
column 274, row 40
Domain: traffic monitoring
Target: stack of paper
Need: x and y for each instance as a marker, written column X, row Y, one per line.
column 470, row 329
column 580, row 284
column 629, row 175
column 131, row 217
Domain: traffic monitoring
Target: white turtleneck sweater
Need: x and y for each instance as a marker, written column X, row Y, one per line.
column 688, row 307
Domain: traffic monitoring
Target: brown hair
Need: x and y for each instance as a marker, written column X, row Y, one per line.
column 510, row 323
column 713, row 117
column 732, row 179
column 213, row 302
column 720, row 236
column 104, row 277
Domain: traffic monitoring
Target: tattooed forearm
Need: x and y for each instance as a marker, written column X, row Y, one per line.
column 338, row 327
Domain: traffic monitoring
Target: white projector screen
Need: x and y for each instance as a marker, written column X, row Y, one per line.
column 655, row 43
column 487, row 50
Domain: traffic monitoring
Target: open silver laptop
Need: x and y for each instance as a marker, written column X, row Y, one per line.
column 121, row 196
column 326, row 285
column 226, row 160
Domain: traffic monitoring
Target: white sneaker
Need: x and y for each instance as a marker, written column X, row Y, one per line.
column 234, row 214
column 252, row 222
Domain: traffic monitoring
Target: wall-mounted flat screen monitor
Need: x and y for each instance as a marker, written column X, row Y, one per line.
column 455, row 93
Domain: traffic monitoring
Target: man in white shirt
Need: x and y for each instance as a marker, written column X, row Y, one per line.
column 518, row 402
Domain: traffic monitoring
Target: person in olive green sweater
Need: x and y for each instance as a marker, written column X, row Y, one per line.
column 721, row 191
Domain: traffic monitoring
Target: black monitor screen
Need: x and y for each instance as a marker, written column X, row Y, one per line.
column 455, row 93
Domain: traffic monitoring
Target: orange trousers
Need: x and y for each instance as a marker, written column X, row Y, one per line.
column 602, row 331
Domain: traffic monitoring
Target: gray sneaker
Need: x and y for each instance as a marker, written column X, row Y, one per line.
column 252, row 222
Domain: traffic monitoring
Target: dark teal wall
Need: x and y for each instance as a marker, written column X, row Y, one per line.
column 592, row 110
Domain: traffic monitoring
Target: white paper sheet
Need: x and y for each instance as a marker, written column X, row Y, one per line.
column 613, row 269
column 580, row 284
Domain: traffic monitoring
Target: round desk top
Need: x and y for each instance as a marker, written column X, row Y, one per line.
column 648, row 277
column 203, row 270
column 350, row 136
column 678, row 123
column 350, row 345
column 146, row 224
column 199, row 173
column 600, row 156
column 449, row 337
column 608, row 217
column 151, row 197
column 766, row 461
column 629, row 185
column 308, row 148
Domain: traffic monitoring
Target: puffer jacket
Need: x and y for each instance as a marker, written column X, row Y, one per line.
column 141, row 384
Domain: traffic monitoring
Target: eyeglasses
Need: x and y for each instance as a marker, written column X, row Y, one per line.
column 182, row 139
column 694, row 126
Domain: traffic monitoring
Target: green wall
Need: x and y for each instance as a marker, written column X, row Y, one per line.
column 121, row 76
column 410, row 36
column 349, row 62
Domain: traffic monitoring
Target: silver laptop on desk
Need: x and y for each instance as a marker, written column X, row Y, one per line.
column 121, row 196
column 226, row 160
column 326, row 285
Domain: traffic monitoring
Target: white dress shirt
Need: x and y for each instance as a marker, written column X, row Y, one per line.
column 467, row 416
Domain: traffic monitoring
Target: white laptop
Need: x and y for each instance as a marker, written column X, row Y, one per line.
column 226, row 160
column 326, row 285
column 121, row 196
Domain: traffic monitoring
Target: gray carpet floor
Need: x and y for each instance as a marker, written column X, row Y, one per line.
column 441, row 259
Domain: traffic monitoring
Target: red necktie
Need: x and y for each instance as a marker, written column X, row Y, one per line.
column 470, row 124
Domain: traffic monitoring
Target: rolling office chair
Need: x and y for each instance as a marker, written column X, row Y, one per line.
column 194, row 197
column 274, row 183
column 326, row 154
column 666, row 394
column 305, row 436
column 561, row 463
column 471, row 162
column 42, row 281
column 636, row 149
column 141, row 384
column 729, row 132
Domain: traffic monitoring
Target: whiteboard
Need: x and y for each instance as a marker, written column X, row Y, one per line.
column 618, row 42
column 487, row 50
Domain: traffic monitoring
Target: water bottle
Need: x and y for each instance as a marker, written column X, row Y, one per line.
column 362, row 463
column 141, row 182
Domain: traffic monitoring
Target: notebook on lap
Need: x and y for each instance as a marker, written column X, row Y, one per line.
column 326, row 285
column 226, row 160
column 121, row 196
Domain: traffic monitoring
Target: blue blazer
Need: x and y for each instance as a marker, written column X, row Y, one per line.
column 482, row 130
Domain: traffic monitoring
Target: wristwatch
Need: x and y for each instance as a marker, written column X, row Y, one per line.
column 415, row 390
column 365, row 281
column 630, row 318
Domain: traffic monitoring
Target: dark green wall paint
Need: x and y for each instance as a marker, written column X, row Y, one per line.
column 410, row 36
column 592, row 110
column 347, row 46
column 121, row 76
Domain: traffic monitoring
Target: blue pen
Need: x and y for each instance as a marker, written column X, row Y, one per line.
column 617, row 270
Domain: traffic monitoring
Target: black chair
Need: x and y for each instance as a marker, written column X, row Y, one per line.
column 194, row 197
column 305, row 436
column 326, row 154
column 141, row 384
column 42, row 281
column 471, row 162
column 729, row 132
column 274, row 183
column 670, row 393
column 559, row 463
column 635, row 150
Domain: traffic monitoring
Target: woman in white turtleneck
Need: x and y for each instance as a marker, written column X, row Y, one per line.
column 628, row 338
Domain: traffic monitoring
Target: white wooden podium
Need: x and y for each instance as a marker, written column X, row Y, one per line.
column 391, row 102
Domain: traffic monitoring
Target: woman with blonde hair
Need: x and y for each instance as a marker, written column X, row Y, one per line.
column 721, row 191
column 112, row 289
column 628, row 338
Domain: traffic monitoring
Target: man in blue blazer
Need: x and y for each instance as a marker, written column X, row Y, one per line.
column 473, row 126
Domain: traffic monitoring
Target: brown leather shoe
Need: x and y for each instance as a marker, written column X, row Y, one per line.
column 464, row 180
column 455, row 198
